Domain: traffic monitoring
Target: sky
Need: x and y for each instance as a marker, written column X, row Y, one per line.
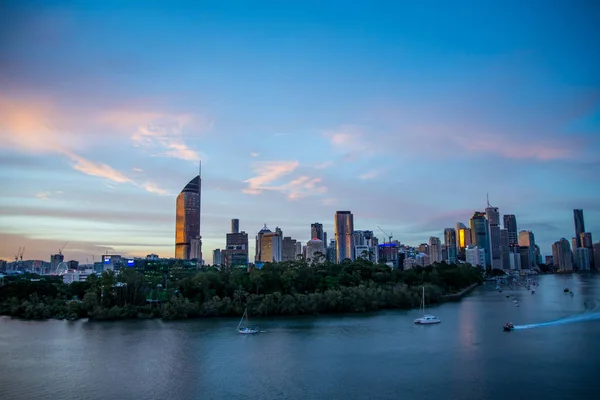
column 406, row 113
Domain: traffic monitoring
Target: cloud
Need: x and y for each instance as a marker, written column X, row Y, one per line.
column 329, row 201
column 97, row 169
column 271, row 172
column 43, row 195
column 254, row 154
column 138, row 170
column 369, row 175
column 350, row 141
column 268, row 171
column 323, row 165
column 160, row 132
column 152, row 188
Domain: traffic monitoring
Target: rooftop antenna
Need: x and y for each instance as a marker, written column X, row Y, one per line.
column 488, row 199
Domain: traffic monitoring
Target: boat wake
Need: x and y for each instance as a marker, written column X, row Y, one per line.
column 592, row 316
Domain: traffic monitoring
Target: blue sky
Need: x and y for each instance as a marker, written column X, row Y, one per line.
column 406, row 114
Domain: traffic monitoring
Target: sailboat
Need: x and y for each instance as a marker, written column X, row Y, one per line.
column 247, row 329
column 426, row 319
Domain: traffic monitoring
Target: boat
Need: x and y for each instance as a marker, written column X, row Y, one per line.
column 566, row 290
column 508, row 327
column 426, row 319
column 247, row 329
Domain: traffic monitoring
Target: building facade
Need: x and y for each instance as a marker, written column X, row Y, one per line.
column 344, row 227
column 579, row 226
column 493, row 216
column 450, row 245
column 480, row 235
column 187, row 220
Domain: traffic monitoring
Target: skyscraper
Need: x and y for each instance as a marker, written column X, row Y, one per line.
column 505, row 248
column 435, row 250
column 579, row 226
column 463, row 240
column 510, row 224
column 187, row 220
column 480, row 235
column 236, row 251
column 269, row 245
column 493, row 217
column 562, row 256
column 316, row 231
column 526, row 239
column 344, row 226
column 450, row 243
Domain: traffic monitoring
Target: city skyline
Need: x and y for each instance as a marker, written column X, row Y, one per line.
column 296, row 112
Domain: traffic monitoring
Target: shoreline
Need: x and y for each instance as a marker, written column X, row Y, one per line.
column 459, row 295
column 445, row 298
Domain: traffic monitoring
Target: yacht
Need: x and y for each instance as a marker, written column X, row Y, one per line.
column 426, row 319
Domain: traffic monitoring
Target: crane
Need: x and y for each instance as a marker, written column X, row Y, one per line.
column 62, row 248
column 389, row 235
column 21, row 254
column 17, row 255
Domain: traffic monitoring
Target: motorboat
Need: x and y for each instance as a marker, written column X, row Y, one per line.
column 566, row 290
column 426, row 319
column 508, row 327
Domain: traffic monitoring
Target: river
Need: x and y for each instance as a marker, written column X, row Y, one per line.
column 366, row 356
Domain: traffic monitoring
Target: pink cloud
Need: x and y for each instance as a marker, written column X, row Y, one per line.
column 271, row 172
column 350, row 140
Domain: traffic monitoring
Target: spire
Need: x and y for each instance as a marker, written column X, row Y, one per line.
column 488, row 199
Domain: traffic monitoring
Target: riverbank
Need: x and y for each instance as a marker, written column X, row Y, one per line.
column 459, row 295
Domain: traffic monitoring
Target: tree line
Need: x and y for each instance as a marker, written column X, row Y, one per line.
column 286, row 288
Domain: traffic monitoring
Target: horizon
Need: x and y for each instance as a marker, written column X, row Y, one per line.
column 405, row 115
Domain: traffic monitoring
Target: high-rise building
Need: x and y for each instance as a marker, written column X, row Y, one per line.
column 526, row 239
column 187, row 221
column 505, row 248
column 331, row 257
column 435, row 250
column 463, row 239
column 476, row 256
column 217, row 257
column 493, row 216
column 510, row 224
column 585, row 238
column 315, row 250
column 450, row 245
column 582, row 259
column 235, row 225
column 579, row 226
column 480, row 235
column 316, row 231
column 289, row 249
column 562, row 256
column 365, row 245
column 269, row 245
column 56, row 259
column 596, row 247
column 344, row 226
column 236, row 248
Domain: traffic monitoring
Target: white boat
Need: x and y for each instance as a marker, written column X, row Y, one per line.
column 426, row 319
column 247, row 329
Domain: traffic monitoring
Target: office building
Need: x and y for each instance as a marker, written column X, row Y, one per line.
column 581, row 257
column 585, row 238
column 562, row 255
column 344, row 227
column 476, row 256
column 493, row 216
column 435, row 250
column 510, row 224
column 289, row 249
column 480, row 235
column 505, row 248
column 217, row 257
column 315, row 251
column 269, row 245
column 187, row 221
column 579, row 226
column 316, row 231
column 526, row 239
column 236, row 247
column 450, row 245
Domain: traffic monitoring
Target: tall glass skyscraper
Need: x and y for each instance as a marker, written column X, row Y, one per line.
column 579, row 226
column 187, row 221
column 510, row 224
column 480, row 235
column 344, row 227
